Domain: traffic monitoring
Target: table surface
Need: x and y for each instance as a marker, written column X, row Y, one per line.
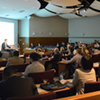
column 87, row 96
column 42, row 91
column 95, row 65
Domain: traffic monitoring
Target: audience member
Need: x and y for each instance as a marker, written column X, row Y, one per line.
column 73, row 62
column 82, row 75
column 15, row 86
column 58, row 46
column 15, row 60
column 36, row 66
column 62, row 49
column 75, row 59
column 62, row 44
column 54, row 60
column 39, row 51
column 32, row 46
column 2, row 59
column 75, row 46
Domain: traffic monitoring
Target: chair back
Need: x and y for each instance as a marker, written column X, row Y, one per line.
column 3, row 63
column 26, row 55
column 1, row 77
column 20, row 68
column 46, row 96
column 49, row 54
column 39, row 76
column 92, row 86
column 95, row 58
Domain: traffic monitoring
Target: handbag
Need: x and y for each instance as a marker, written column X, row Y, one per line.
column 53, row 86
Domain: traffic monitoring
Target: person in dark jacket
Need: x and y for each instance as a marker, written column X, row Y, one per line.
column 53, row 60
column 5, row 45
column 15, row 86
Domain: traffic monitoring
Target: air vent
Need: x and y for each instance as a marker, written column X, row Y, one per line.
column 21, row 11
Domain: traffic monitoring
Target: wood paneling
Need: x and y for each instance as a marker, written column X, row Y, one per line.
column 43, row 40
column 47, row 40
column 23, row 42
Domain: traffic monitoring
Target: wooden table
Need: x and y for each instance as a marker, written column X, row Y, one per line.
column 1, row 69
column 87, row 96
column 62, row 66
column 28, row 50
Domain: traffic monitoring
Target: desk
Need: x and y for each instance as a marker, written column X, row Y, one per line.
column 62, row 66
column 87, row 96
column 28, row 50
column 41, row 91
column 1, row 69
column 41, row 61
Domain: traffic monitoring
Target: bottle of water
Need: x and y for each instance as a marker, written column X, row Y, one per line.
column 61, row 76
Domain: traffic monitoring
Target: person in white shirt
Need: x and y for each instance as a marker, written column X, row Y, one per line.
column 72, row 64
column 82, row 75
column 36, row 66
column 75, row 59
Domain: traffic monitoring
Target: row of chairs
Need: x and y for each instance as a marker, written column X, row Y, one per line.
column 46, row 96
column 89, row 87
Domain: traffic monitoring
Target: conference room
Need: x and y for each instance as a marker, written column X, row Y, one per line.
column 51, row 47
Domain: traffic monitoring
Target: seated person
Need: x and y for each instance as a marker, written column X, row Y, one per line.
column 75, row 59
column 2, row 59
column 62, row 49
column 72, row 64
column 32, row 46
column 15, row 60
column 58, row 46
column 36, row 66
column 53, row 60
column 15, row 86
column 39, row 51
column 82, row 75
column 5, row 46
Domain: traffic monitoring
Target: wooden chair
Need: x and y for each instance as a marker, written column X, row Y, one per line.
column 49, row 54
column 20, row 68
column 26, row 55
column 95, row 58
column 92, row 86
column 39, row 76
column 3, row 63
column 46, row 96
column 1, row 76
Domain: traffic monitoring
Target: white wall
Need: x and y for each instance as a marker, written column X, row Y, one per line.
column 23, row 28
column 15, row 28
column 42, row 27
column 84, row 29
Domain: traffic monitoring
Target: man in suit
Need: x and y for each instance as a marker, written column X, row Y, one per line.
column 53, row 60
column 5, row 45
column 15, row 60
column 15, row 86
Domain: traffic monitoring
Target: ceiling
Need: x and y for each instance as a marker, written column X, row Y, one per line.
column 21, row 9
